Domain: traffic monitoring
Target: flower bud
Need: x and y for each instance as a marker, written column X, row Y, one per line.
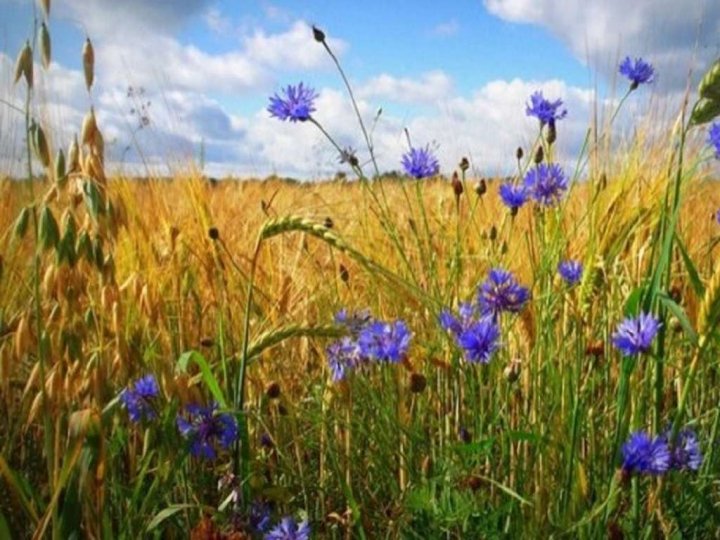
column 457, row 186
column 318, row 34
column 481, row 187
column 464, row 164
column 328, row 223
column 213, row 233
column 539, row 155
column 552, row 132
column 519, row 153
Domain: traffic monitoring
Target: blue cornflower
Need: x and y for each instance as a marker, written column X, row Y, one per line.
column 480, row 340
column 342, row 355
column 354, row 321
column 288, row 529
column 513, row 195
column 138, row 398
column 686, row 451
column 455, row 325
column 384, row 342
column 205, row 429
column 639, row 72
column 501, row 292
column 717, row 217
column 571, row 271
column 714, row 138
column 544, row 110
column 635, row 336
column 259, row 517
column 644, row 455
column 546, row 183
column 296, row 105
column 420, row 163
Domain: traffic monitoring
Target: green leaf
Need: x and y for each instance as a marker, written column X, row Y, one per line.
column 632, row 304
column 207, row 375
column 680, row 315
column 693, row 274
column 166, row 513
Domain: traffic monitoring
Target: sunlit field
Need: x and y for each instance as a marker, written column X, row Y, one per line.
column 427, row 354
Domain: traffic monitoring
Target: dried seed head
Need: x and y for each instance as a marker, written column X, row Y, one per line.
column 73, row 156
column 457, row 186
column 328, row 223
column 88, row 60
column 464, row 164
column 318, row 34
column 24, row 65
column 512, row 370
column 418, row 383
column 89, row 127
column 481, row 187
column 344, row 274
column 493, row 233
column 539, row 155
column 213, row 233
column 273, row 390
column 40, row 145
column 519, row 153
column 676, row 293
column 45, row 46
column 595, row 348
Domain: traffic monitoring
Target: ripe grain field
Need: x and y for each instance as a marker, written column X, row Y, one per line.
column 409, row 356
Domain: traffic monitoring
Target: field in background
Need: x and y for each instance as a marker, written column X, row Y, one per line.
column 337, row 446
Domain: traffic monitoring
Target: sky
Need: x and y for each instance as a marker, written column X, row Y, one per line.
column 455, row 75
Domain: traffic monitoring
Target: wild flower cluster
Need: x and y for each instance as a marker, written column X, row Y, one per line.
column 203, row 427
column 369, row 341
column 643, row 454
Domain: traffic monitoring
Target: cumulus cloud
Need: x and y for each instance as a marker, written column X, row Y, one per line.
column 675, row 36
column 429, row 88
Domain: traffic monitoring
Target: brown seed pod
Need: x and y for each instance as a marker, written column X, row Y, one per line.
column 88, row 60
column 45, row 45
column 418, row 382
column 273, row 390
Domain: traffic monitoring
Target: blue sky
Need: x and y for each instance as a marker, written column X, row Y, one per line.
column 456, row 74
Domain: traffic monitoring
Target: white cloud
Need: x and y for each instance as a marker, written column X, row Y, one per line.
column 446, row 29
column 429, row 88
column 674, row 35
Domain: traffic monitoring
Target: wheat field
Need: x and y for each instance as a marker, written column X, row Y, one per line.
column 192, row 358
